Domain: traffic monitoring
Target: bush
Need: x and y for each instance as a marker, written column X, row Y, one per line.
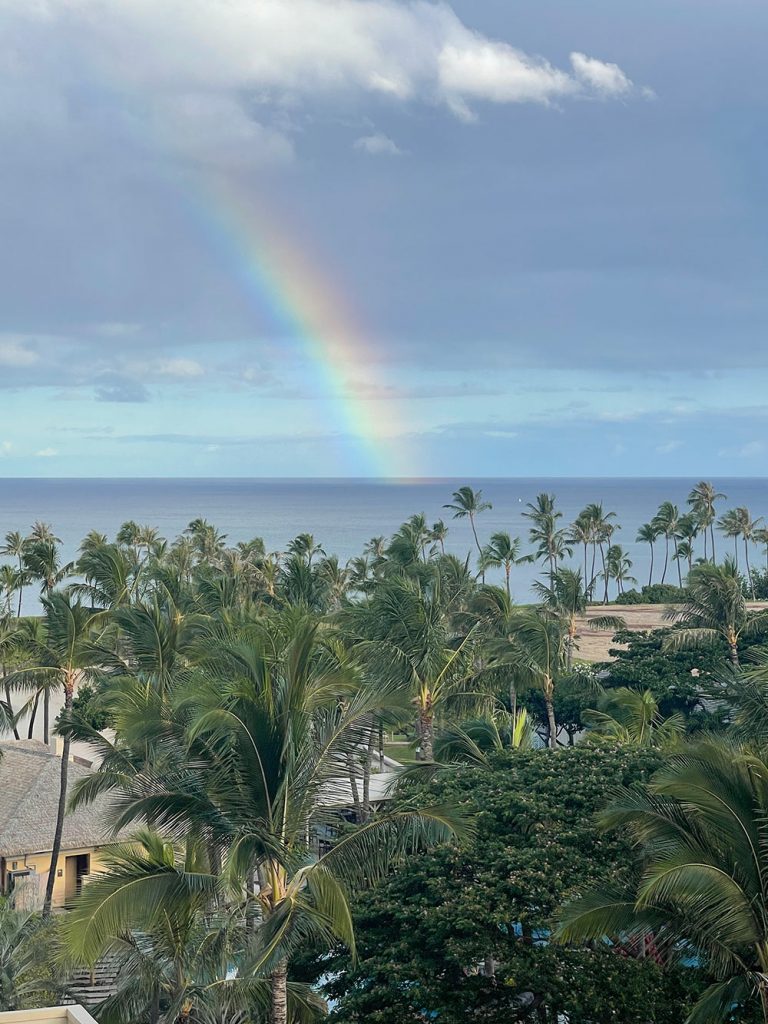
column 760, row 582
column 657, row 593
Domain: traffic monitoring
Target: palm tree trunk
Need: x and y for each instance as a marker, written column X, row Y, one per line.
column 679, row 574
column 62, row 807
column 705, row 544
column 46, row 715
column 426, row 735
column 586, row 584
column 513, row 701
column 507, row 569
column 9, row 702
column 749, row 568
column 33, row 716
column 551, row 723
column 733, row 652
column 594, row 556
column 605, row 575
column 712, row 538
column 666, row 557
column 279, row 994
column 650, row 574
column 367, row 774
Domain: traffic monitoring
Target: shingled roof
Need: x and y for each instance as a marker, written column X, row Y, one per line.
column 29, row 796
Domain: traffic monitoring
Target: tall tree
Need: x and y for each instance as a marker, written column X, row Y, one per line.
column 666, row 522
column 702, row 500
column 503, row 550
column 647, row 534
column 61, row 655
column 468, row 504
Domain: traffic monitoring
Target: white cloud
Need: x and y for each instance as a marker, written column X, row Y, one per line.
column 46, row 453
column 182, row 368
column 668, row 447
column 211, row 80
column 604, row 78
column 5, row 448
column 378, row 145
column 14, row 353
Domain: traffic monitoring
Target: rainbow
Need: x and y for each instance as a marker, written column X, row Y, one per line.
column 278, row 277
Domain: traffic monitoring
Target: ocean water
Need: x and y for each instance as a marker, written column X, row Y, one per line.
column 343, row 514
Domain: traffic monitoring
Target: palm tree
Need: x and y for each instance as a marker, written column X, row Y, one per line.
column 25, row 977
column 617, row 566
column 702, row 501
column 729, row 524
column 601, row 529
column 503, row 550
column 747, row 526
column 633, row 717
column 761, row 537
column 580, row 532
column 567, row 599
column 265, row 732
column 305, row 548
column 469, row 504
column 405, row 635
column 701, row 827
column 471, row 742
column 551, row 542
column 666, row 523
column 15, row 546
column 540, row 657
column 438, row 533
column 63, row 655
column 714, row 608
column 647, row 534
column 9, row 584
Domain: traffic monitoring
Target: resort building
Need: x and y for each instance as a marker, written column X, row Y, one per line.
column 29, row 796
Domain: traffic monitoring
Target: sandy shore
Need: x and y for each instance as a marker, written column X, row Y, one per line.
column 595, row 643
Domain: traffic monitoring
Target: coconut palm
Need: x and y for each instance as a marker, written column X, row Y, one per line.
column 25, row 978
column 647, row 534
column 729, row 524
column 42, row 562
column 405, row 634
column 617, row 566
column 666, row 521
column 714, row 608
column 503, row 550
column 539, row 655
column 552, row 543
column 469, row 504
column 702, row 501
column 438, row 533
column 15, row 545
column 701, row 828
column 633, row 717
column 253, row 758
column 747, row 526
column 110, row 574
column 602, row 528
column 580, row 532
column 568, row 599
column 761, row 537
column 60, row 656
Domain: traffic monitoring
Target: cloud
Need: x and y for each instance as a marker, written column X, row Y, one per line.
column 114, row 387
column 181, row 368
column 668, row 447
column 212, row 81
column 749, row 450
column 46, row 453
column 377, row 145
column 14, row 353
column 605, row 79
column 5, row 448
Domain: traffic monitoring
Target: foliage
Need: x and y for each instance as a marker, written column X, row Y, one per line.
column 424, row 936
column 701, row 827
column 656, row 593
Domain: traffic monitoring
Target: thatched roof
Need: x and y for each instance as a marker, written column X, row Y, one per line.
column 29, row 796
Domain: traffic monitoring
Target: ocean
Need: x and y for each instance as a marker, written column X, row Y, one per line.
column 343, row 514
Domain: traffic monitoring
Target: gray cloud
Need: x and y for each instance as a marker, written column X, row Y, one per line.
column 113, row 387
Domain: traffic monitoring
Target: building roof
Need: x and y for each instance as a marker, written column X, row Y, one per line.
column 29, row 796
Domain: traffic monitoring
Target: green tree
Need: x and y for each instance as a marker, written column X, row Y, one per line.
column 702, row 500
column 701, row 825
column 633, row 717
column 460, row 934
column 648, row 534
column 503, row 550
column 666, row 522
column 714, row 608
column 62, row 654
column 468, row 504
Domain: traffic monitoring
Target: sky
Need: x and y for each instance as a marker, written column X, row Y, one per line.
column 376, row 237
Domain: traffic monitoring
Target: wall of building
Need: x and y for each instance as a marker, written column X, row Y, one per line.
column 64, row 887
